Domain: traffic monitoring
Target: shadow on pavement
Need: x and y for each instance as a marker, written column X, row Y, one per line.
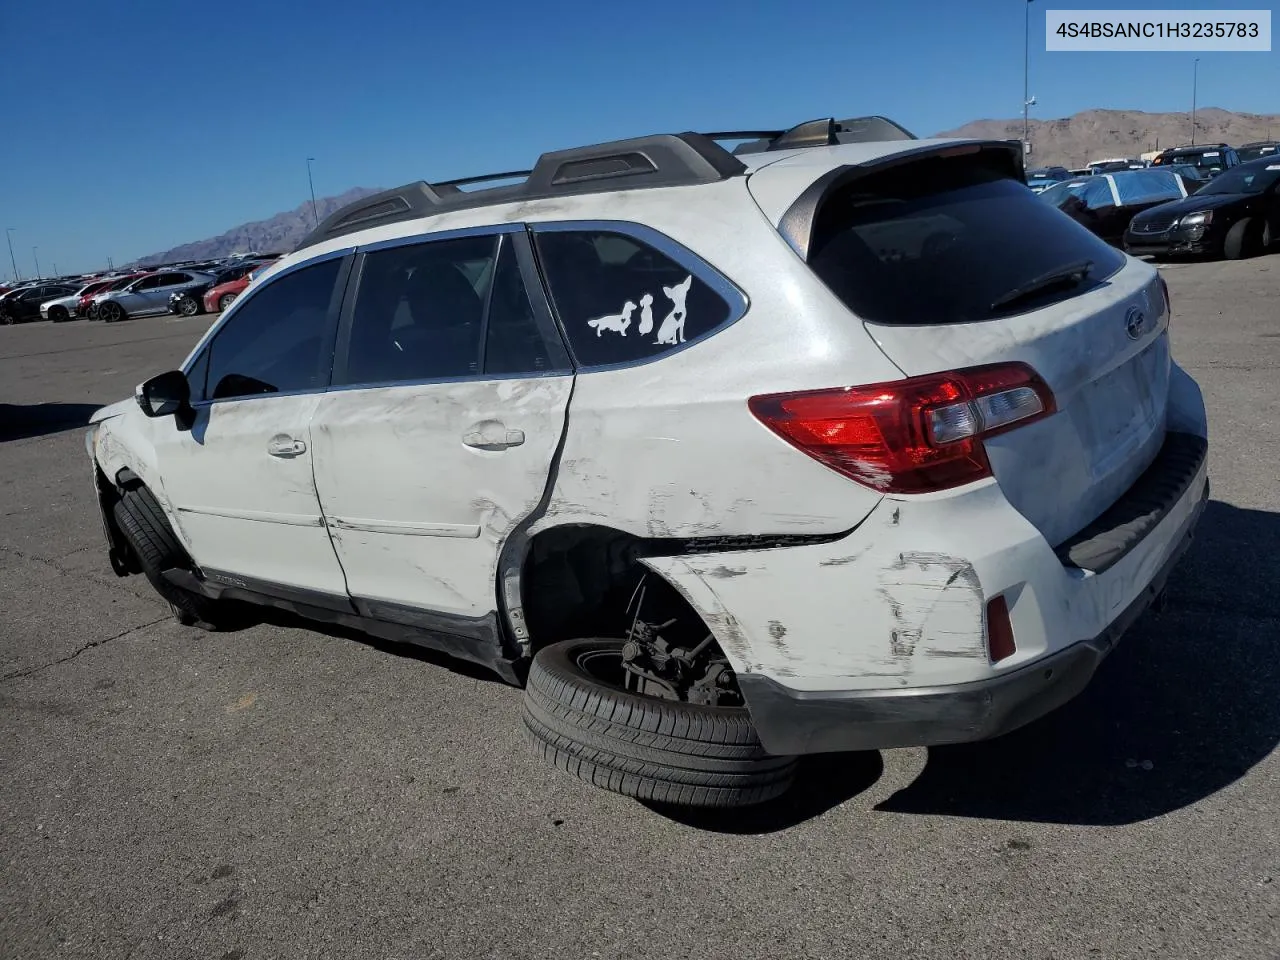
column 1187, row 704
column 18, row 421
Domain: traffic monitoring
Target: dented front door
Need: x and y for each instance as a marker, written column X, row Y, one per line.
column 421, row 484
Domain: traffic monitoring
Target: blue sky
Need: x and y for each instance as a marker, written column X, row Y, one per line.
column 157, row 122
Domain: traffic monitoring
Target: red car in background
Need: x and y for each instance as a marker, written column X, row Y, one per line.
column 87, row 308
column 220, row 297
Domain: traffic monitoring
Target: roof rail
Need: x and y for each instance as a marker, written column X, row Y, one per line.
column 660, row 160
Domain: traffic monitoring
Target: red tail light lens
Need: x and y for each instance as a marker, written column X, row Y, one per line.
column 909, row 436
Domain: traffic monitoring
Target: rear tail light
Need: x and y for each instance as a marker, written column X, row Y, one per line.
column 909, row 436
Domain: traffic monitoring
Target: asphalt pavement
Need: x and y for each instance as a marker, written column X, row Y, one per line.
column 289, row 791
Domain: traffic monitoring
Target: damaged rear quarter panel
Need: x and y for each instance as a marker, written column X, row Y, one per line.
column 669, row 448
column 899, row 602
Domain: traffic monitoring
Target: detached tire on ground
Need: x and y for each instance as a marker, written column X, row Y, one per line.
column 143, row 523
column 665, row 751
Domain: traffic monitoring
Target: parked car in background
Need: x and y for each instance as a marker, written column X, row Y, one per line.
column 1048, row 173
column 1041, row 184
column 147, row 295
column 1258, row 149
column 1081, row 172
column 191, row 301
column 1237, row 215
column 1193, row 177
column 1116, row 163
column 67, row 308
column 24, row 305
column 87, row 305
column 1106, row 202
column 224, row 294
column 1212, row 158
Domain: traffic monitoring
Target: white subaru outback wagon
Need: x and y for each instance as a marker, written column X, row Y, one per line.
column 838, row 441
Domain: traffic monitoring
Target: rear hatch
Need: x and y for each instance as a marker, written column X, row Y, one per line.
column 951, row 262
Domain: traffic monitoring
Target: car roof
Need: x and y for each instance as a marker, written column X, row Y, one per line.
column 778, row 175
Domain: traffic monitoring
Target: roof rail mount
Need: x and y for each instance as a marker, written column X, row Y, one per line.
column 660, row 160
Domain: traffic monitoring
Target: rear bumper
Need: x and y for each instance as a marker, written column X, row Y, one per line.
column 797, row 721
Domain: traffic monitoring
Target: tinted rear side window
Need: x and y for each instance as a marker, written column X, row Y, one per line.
column 941, row 240
column 622, row 301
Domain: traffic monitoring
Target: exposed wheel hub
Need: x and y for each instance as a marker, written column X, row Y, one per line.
column 656, row 668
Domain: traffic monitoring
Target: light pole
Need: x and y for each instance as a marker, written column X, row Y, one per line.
column 8, row 232
column 1026, row 75
column 1195, row 80
column 37, row 260
column 310, row 183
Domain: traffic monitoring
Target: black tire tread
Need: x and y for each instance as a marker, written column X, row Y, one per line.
column 660, row 750
column 144, row 525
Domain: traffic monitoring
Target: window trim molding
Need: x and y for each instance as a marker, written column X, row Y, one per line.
column 734, row 297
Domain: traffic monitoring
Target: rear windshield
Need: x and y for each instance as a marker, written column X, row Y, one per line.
column 1147, row 186
column 1202, row 160
column 944, row 240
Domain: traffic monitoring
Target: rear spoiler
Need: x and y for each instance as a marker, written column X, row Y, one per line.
column 796, row 225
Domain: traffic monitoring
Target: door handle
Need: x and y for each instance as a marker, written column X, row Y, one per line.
column 283, row 445
column 492, row 435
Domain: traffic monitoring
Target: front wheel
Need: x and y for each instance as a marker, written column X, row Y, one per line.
column 110, row 312
column 225, row 301
column 1242, row 239
column 146, row 529
column 188, row 307
column 59, row 314
column 669, row 751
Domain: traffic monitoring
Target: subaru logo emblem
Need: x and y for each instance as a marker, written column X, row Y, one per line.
column 1134, row 323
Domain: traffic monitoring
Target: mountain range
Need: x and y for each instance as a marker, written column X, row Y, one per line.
column 1071, row 142
column 278, row 234
column 1097, row 134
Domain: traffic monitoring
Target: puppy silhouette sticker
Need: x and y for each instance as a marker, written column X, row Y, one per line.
column 672, row 329
column 646, row 315
column 619, row 322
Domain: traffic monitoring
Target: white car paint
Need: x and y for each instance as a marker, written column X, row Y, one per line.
column 390, row 503
column 472, row 460
column 67, row 303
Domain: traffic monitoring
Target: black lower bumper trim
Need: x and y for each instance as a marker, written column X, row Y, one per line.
column 1128, row 521
column 797, row 721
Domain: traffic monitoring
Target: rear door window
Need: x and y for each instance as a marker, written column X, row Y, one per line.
column 622, row 301
column 944, row 240
column 419, row 312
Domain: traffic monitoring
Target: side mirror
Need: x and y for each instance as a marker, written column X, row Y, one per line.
column 165, row 395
